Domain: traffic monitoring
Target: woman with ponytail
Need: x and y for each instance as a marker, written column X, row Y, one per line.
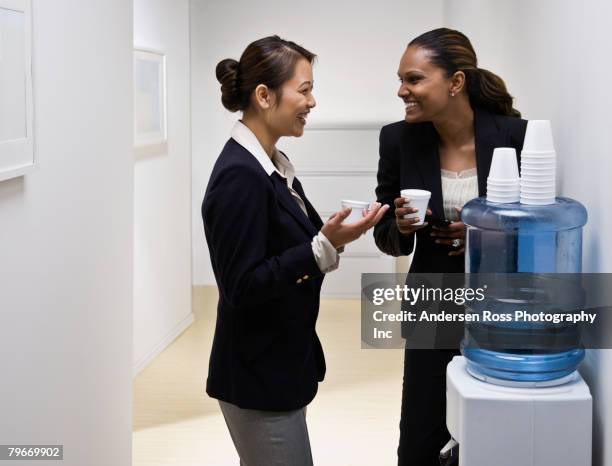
column 269, row 251
column 455, row 115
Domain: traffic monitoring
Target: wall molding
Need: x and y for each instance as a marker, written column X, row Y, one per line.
column 157, row 349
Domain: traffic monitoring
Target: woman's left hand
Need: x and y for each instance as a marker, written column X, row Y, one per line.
column 453, row 235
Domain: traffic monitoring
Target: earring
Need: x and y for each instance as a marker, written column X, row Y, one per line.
column 452, row 94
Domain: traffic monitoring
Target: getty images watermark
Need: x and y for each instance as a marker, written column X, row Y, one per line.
column 522, row 310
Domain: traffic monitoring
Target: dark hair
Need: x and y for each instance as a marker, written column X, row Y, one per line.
column 270, row 61
column 452, row 51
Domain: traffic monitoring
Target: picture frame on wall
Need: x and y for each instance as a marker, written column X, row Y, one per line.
column 16, row 103
column 150, row 112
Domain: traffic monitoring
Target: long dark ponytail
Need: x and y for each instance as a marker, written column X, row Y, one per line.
column 452, row 51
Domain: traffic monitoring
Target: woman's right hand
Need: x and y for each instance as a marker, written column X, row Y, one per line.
column 340, row 234
column 406, row 225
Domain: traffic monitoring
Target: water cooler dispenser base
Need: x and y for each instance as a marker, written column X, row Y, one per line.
column 511, row 383
column 509, row 426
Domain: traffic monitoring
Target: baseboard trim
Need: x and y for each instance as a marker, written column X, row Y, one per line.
column 163, row 344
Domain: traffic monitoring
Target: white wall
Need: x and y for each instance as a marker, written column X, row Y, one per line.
column 162, row 192
column 66, row 243
column 358, row 48
column 554, row 55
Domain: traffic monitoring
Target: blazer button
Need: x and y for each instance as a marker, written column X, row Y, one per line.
column 299, row 280
column 305, row 277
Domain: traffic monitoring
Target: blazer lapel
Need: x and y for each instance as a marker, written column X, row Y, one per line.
column 428, row 165
column 312, row 213
column 289, row 204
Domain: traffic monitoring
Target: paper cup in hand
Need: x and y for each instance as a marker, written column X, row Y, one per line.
column 418, row 199
column 358, row 208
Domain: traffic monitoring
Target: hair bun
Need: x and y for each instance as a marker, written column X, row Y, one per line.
column 227, row 72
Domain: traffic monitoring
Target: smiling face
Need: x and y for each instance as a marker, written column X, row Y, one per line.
column 424, row 87
column 288, row 116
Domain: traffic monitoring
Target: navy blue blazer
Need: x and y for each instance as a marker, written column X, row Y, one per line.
column 409, row 159
column 266, row 353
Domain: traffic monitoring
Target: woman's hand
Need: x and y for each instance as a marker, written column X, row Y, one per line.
column 453, row 235
column 406, row 225
column 339, row 234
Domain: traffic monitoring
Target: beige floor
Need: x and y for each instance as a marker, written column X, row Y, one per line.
column 352, row 421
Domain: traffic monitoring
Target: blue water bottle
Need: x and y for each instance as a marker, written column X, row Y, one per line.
column 520, row 227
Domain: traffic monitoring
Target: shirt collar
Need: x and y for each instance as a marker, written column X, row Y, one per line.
column 247, row 139
column 280, row 164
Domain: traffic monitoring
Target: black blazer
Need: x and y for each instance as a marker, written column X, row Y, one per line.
column 409, row 159
column 266, row 354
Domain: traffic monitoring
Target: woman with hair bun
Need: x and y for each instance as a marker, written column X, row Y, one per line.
column 455, row 115
column 269, row 251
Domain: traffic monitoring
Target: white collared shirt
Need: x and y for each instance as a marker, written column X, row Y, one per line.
column 325, row 254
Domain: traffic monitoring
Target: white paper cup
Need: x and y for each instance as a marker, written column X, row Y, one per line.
column 503, row 195
column 538, row 171
column 504, row 187
column 537, row 195
column 503, row 199
column 531, row 201
column 539, row 178
column 491, row 194
column 538, row 183
column 358, row 207
column 495, row 189
column 418, row 199
column 538, row 155
column 538, row 164
column 498, row 182
column 537, row 192
column 534, row 190
column 542, row 195
column 532, row 185
column 538, row 137
column 506, row 196
column 550, row 171
column 504, row 165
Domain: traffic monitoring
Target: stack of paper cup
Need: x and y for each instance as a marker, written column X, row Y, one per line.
column 538, row 164
column 503, row 183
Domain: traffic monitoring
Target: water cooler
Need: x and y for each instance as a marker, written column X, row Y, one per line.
column 520, row 407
